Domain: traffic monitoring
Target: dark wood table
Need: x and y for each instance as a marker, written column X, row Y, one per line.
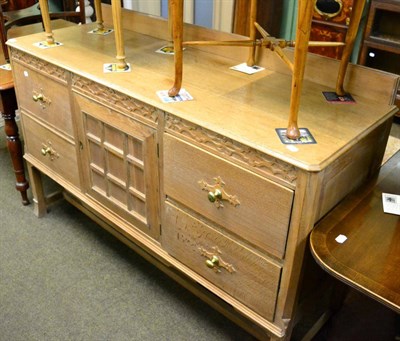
column 8, row 105
column 369, row 260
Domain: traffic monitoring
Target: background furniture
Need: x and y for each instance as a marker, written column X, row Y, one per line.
column 330, row 23
column 269, row 16
column 66, row 9
column 8, row 106
column 12, row 5
column 203, row 189
column 381, row 45
column 370, row 257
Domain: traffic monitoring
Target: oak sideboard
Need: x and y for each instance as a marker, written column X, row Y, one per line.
column 204, row 189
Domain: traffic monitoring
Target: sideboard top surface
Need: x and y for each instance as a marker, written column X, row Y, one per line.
column 246, row 108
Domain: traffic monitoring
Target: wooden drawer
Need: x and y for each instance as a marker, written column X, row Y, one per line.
column 47, row 99
column 50, row 149
column 260, row 209
column 245, row 276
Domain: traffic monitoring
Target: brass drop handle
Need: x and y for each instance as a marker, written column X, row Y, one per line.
column 213, row 196
column 38, row 97
column 46, row 150
column 213, row 262
column 217, row 193
column 41, row 99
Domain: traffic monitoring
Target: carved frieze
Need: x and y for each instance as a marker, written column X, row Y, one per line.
column 232, row 149
column 114, row 99
column 40, row 65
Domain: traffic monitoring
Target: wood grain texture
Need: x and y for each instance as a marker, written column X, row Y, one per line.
column 264, row 96
column 254, row 280
column 37, row 137
column 54, row 109
column 263, row 225
column 121, row 164
column 370, row 257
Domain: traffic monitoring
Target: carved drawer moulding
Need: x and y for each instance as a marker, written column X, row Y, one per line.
column 231, row 149
column 117, row 100
column 40, row 65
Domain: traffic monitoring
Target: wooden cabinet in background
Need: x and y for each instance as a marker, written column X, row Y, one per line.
column 330, row 23
column 269, row 16
column 381, row 45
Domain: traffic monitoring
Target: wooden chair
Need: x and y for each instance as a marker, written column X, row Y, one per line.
column 65, row 9
column 301, row 44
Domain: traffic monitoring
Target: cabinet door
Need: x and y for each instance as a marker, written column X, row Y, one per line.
column 121, row 164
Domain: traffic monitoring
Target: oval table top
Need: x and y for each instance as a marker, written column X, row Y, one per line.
column 369, row 259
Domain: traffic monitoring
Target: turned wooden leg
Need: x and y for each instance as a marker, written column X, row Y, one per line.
column 119, row 41
column 358, row 8
column 304, row 17
column 253, row 32
column 99, row 15
column 13, row 142
column 176, row 7
column 44, row 10
column 39, row 199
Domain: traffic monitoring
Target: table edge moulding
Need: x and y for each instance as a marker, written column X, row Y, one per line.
column 205, row 189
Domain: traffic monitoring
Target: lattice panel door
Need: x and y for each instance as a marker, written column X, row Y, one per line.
column 122, row 169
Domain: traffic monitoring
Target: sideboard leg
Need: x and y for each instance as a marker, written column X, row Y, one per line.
column 39, row 200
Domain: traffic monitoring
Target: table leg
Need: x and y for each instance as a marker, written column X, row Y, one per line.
column 13, row 142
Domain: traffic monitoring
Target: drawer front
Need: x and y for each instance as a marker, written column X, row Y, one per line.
column 50, row 149
column 256, row 209
column 247, row 277
column 43, row 97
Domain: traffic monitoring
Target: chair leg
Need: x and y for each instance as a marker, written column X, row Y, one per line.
column 82, row 11
column 119, row 41
column 253, row 32
column 358, row 8
column 44, row 9
column 304, row 17
column 99, row 15
column 177, row 31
